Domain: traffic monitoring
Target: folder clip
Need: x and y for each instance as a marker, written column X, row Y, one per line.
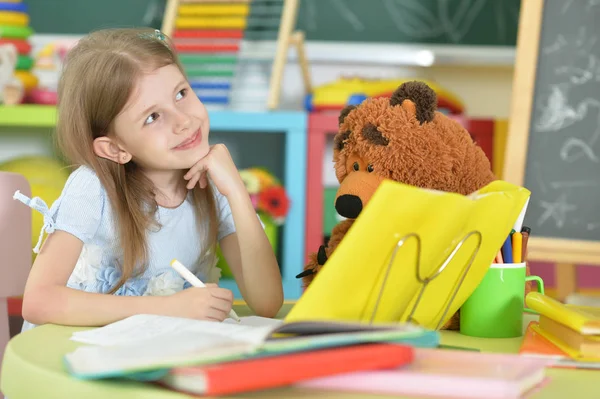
column 426, row 280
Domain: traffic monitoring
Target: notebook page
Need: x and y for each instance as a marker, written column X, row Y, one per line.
column 143, row 328
column 256, row 321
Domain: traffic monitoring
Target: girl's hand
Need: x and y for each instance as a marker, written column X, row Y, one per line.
column 221, row 168
column 210, row 303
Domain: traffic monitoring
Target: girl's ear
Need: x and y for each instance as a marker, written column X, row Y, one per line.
column 106, row 148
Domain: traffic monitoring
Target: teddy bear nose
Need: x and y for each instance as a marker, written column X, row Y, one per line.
column 348, row 206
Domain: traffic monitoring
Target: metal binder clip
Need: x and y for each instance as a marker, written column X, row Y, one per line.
column 426, row 280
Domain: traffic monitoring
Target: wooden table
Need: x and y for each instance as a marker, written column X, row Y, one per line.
column 33, row 369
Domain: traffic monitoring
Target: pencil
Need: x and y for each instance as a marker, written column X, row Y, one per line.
column 507, row 250
column 525, row 233
column 499, row 257
column 517, row 244
column 195, row 281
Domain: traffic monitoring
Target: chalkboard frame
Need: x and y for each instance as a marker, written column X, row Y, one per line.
column 524, row 80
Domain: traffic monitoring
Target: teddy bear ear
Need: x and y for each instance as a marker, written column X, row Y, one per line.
column 344, row 113
column 422, row 97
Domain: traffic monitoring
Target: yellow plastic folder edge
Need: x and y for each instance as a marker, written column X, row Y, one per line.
column 356, row 283
column 583, row 319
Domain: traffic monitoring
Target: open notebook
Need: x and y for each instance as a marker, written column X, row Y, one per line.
column 149, row 343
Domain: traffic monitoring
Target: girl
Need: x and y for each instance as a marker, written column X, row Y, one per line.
column 148, row 189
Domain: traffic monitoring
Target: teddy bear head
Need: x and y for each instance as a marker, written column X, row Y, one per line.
column 405, row 139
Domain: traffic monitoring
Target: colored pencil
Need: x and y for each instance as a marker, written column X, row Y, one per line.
column 517, row 244
column 525, row 231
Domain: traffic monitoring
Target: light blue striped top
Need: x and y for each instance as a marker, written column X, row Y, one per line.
column 84, row 210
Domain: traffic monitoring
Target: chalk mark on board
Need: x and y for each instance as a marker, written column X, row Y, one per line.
column 465, row 14
column 557, row 114
column 348, row 15
column 580, row 76
column 585, row 148
column 574, row 184
column 566, row 6
column 500, row 20
column 592, row 226
column 412, row 19
column 310, row 16
column 539, row 177
column 558, row 44
column 556, row 210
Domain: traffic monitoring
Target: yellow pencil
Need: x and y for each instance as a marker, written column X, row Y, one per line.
column 517, row 243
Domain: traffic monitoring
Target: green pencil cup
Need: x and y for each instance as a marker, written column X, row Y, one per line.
column 495, row 309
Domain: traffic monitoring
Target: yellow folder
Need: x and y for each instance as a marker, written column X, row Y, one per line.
column 390, row 256
column 583, row 319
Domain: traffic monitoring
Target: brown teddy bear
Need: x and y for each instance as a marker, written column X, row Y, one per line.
column 402, row 138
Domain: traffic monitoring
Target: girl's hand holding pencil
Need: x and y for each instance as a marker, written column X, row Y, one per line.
column 202, row 301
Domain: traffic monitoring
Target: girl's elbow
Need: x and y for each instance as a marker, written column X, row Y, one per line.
column 36, row 307
column 271, row 307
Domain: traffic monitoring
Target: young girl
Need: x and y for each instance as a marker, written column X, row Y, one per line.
column 148, row 189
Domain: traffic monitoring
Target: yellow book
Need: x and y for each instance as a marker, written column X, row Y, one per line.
column 583, row 319
column 371, row 278
column 571, row 352
column 586, row 345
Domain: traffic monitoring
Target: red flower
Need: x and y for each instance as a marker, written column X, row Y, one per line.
column 274, row 201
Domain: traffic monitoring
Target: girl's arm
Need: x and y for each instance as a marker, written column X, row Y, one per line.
column 251, row 258
column 48, row 300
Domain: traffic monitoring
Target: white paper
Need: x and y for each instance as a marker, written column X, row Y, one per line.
column 256, row 321
column 143, row 328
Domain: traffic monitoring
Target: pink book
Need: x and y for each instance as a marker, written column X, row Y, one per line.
column 446, row 373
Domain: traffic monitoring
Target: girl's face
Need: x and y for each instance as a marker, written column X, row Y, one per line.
column 164, row 126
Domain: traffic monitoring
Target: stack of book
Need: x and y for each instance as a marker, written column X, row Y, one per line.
column 570, row 334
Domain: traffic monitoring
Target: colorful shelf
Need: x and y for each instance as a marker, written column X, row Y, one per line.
column 35, row 116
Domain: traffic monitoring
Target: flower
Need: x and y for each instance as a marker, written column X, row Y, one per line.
column 265, row 178
column 133, row 287
column 108, row 278
column 254, row 200
column 167, row 283
column 274, row 201
column 87, row 267
column 251, row 181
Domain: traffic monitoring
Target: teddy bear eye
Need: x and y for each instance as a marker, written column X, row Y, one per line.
column 355, row 166
column 370, row 168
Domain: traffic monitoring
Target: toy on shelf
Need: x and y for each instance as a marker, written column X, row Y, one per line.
column 270, row 201
column 354, row 90
column 14, row 25
column 208, row 36
column 49, row 60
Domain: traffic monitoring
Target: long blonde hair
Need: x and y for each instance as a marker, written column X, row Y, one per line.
column 97, row 80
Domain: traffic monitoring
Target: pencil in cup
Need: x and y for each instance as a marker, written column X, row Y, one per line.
column 195, row 281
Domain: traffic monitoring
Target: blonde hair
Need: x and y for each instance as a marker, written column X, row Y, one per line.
column 97, row 80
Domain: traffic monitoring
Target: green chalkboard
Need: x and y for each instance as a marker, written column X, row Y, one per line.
column 455, row 22
column 83, row 16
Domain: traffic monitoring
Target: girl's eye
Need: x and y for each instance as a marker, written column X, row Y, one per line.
column 151, row 119
column 355, row 166
column 180, row 94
